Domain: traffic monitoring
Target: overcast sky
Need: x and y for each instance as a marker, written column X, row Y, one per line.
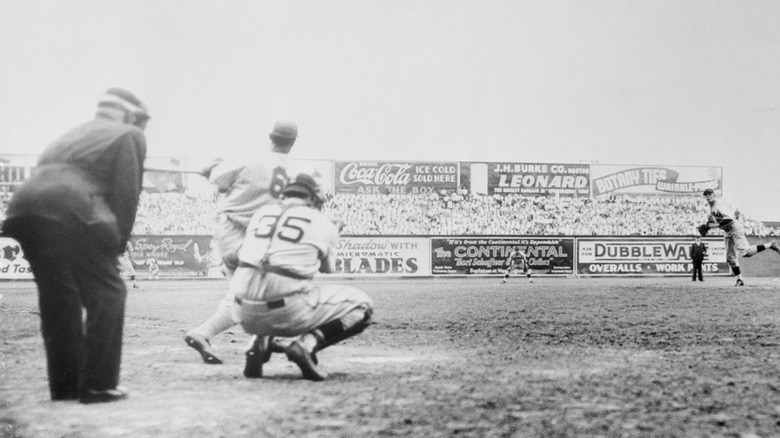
column 613, row 82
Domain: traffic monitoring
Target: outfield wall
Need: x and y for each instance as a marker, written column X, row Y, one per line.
column 192, row 256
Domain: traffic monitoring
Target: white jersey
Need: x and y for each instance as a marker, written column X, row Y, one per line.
column 291, row 237
column 249, row 184
column 723, row 212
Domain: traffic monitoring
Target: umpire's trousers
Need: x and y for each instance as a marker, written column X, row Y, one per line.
column 74, row 271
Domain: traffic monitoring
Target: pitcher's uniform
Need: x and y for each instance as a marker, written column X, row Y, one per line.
column 724, row 216
column 286, row 244
column 736, row 241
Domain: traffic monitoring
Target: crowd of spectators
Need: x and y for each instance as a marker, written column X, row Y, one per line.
column 461, row 213
column 464, row 213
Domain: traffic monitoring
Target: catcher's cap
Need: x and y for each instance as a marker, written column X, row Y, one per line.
column 124, row 99
column 284, row 129
column 709, row 192
column 303, row 185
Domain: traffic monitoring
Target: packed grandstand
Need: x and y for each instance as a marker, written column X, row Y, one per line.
column 460, row 213
column 174, row 208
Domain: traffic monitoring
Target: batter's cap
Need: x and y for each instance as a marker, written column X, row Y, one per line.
column 285, row 129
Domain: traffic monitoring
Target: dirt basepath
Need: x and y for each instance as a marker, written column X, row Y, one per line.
column 461, row 357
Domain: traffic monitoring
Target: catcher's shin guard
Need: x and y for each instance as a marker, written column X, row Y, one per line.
column 340, row 329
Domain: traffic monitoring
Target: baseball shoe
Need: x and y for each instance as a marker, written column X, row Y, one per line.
column 306, row 362
column 104, row 396
column 740, row 282
column 502, row 282
column 202, row 346
column 136, row 286
column 774, row 246
column 258, row 354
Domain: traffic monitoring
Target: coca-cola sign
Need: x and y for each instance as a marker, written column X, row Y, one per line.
column 392, row 177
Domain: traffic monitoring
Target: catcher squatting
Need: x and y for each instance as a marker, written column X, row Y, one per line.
column 724, row 216
column 287, row 243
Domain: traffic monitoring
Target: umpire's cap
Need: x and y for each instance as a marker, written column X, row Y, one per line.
column 284, row 130
column 126, row 100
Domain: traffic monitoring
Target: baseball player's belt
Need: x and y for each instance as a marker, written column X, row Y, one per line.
column 266, row 268
column 270, row 305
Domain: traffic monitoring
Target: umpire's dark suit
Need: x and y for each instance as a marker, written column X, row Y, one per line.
column 73, row 218
column 698, row 252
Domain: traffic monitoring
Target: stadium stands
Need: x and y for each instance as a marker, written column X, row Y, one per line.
column 443, row 214
column 460, row 213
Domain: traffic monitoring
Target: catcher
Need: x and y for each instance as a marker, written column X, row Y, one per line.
column 724, row 216
column 287, row 242
column 516, row 261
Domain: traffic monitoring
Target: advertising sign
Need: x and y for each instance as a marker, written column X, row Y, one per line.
column 392, row 256
column 662, row 256
column 383, row 178
column 175, row 256
column 654, row 179
column 481, row 255
column 13, row 265
column 527, row 179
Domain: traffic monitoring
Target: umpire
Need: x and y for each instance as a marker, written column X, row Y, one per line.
column 698, row 252
column 73, row 218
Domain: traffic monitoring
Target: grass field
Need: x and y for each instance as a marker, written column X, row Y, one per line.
column 445, row 357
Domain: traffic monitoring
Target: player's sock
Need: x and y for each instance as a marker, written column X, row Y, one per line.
column 220, row 321
column 308, row 341
column 736, row 271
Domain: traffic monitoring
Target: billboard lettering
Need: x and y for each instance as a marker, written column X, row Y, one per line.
column 478, row 255
column 394, row 177
column 645, row 256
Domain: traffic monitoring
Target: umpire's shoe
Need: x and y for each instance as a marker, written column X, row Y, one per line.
column 107, row 395
column 306, row 362
column 202, row 346
column 258, row 354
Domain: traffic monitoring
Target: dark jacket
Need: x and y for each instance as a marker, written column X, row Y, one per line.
column 698, row 252
column 89, row 179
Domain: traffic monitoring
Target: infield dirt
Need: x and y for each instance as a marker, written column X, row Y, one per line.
column 446, row 357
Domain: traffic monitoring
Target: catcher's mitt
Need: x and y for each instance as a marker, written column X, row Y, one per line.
column 703, row 229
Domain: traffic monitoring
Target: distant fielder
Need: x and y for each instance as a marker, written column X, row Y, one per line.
column 517, row 261
column 126, row 264
column 154, row 268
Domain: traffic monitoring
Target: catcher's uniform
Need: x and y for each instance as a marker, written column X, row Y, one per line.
column 286, row 244
column 726, row 216
column 245, row 187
